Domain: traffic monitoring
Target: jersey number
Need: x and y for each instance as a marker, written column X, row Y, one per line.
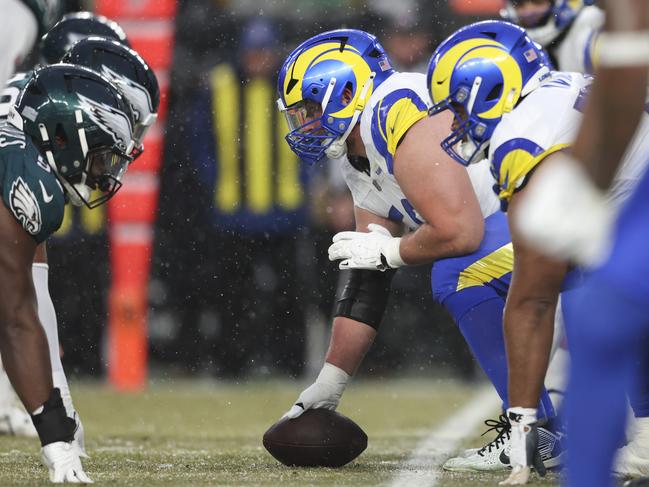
column 7, row 99
column 397, row 215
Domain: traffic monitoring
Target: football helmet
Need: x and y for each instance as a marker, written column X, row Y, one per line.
column 129, row 73
column 82, row 126
column 323, row 87
column 74, row 27
column 552, row 23
column 480, row 73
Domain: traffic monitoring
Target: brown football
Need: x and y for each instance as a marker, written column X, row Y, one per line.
column 318, row 438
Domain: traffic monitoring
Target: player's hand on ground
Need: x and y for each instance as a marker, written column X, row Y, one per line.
column 324, row 393
column 373, row 250
column 62, row 460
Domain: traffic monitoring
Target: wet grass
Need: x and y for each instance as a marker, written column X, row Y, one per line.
column 208, row 434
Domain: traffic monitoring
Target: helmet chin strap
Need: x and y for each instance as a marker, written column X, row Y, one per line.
column 338, row 148
column 75, row 193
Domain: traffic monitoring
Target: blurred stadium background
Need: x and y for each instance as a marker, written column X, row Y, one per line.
column 212, row 262
column 204, row 287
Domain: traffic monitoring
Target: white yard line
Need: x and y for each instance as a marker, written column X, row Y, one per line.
column 422, row 468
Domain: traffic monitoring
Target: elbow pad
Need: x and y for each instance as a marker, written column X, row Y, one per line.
column 364, row 296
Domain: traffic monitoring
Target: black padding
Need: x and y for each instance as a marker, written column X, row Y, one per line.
column 364, row 296
column 53, row 424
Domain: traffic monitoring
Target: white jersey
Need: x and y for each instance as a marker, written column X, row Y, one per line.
column 18, row 33
column 395, row 106
column 574, row 52
column 546, row 121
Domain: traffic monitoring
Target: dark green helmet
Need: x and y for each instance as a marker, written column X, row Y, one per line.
column 82, row 126
column 74, row 27
column 128, row 72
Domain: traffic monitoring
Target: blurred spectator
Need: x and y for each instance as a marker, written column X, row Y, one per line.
column 219, row 268
column 251, row 210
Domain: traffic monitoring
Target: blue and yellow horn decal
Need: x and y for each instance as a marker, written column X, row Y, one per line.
column 334, row 59
column 467, row 60
column 338, row 71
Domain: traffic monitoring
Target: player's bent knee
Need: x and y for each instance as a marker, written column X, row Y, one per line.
column 364, row 296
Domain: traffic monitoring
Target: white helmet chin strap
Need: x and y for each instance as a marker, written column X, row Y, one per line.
column 73, row 192
column 338, row 148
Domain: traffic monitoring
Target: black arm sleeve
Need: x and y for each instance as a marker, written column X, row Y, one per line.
column 364, row 295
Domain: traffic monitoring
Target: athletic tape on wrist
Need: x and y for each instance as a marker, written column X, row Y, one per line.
column 623, row 49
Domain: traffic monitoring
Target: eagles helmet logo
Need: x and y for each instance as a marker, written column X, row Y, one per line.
column 137, row 96
column 111, row 120
column 24, row 206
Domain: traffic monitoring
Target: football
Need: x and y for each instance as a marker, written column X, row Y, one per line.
column 318, row 438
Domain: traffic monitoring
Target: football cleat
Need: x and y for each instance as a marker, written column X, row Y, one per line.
column 494, row 456
column 15, row 421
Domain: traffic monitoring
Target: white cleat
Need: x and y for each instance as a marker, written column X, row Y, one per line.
column 494, row 456
column 632, row 460
column 63, row 464
column 15, row 421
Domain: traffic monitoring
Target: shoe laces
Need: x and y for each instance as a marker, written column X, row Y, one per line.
column 502, row 427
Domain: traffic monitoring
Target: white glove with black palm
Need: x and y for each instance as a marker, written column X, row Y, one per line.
column 324, row 393
column 373, row 250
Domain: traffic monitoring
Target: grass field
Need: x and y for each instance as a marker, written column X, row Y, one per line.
column 200, row 434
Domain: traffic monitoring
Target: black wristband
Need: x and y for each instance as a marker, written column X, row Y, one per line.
column 53, row 423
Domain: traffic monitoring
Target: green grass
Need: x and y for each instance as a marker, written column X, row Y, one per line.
column 200, row 434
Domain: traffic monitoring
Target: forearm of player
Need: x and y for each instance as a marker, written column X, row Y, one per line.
column 529, row 315
column 350, row 341
column 428, row 243
column 529, row 328
column 22, row 340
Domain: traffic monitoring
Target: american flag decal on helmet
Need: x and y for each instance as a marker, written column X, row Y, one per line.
column 384, row 64
column 530, row 55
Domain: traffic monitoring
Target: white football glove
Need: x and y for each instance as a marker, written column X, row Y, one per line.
column 62, row 460
column 324, row 393
column 564, row 215
column 374, row 250
column 524, row 452
column 79, row 441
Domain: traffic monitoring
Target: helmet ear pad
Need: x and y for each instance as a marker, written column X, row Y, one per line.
column 316, row 83
column 491, row 84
